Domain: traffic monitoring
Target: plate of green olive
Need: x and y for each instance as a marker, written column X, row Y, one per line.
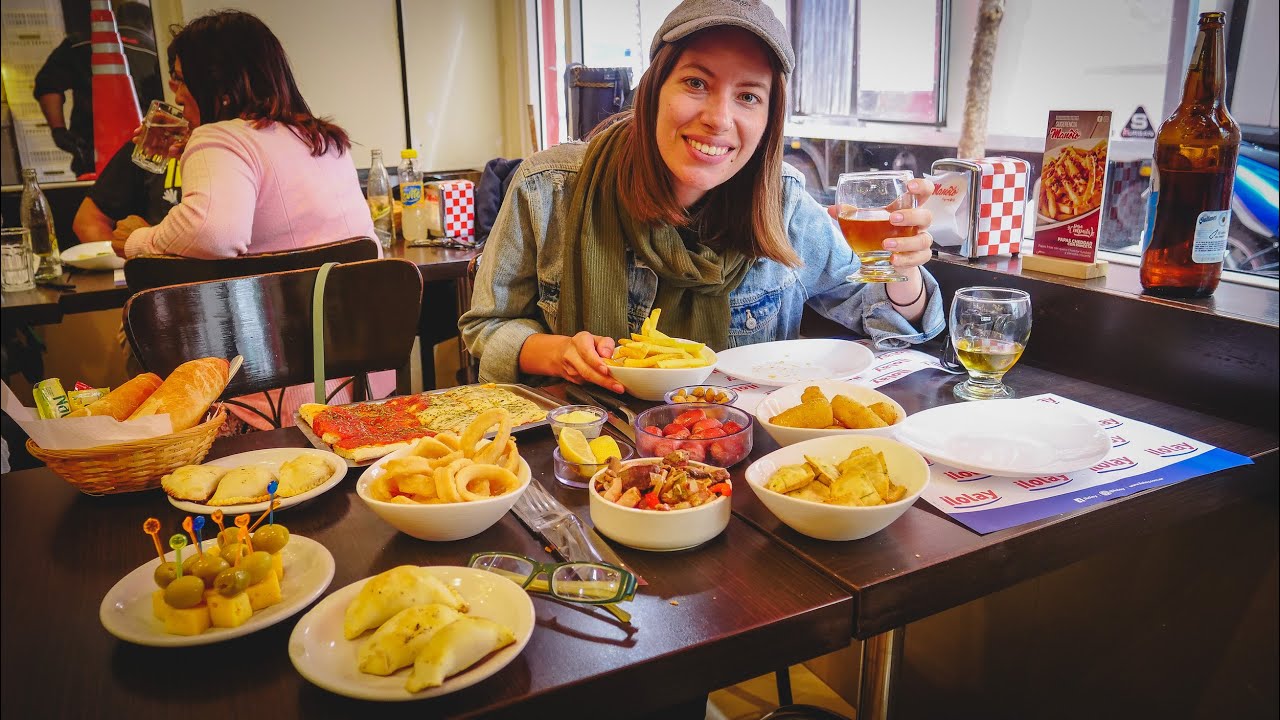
column 127, row 609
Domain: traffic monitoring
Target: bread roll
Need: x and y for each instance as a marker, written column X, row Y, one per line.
column 124, row 400
column 187, row 393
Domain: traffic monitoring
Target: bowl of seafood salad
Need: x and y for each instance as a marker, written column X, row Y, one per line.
column 660, row 504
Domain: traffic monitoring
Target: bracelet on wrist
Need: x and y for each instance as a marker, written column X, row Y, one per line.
column 895, row 303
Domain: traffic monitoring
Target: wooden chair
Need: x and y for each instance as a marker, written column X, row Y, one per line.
column 370, row 322
column 152, row 271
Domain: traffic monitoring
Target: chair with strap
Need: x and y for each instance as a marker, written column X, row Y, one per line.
column 151, row 271
column 368, row 322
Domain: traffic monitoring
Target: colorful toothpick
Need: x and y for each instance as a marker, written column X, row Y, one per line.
column 217, row 519
column 242, row 522
column 191, row 532
column 152, row 527
column 274, row 504
column 271, row 507
column 198, row 524
column 177, row 542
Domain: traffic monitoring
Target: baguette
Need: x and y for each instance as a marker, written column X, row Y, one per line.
column 187, row 393
column 124, row 400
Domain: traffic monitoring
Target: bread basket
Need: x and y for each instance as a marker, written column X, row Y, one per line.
column 131, row 466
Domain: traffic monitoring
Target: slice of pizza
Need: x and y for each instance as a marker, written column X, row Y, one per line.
column 367, row 431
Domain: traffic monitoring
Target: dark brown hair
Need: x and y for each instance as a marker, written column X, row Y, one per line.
column 745, row 212
column 235, row 67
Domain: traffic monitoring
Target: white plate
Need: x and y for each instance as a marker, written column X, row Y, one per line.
column 792, row 361
column 92, row 256
column 323, row 656
column 1010, row 438
column 126, row 610
column 272, row 459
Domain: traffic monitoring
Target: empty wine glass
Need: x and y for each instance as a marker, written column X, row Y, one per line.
column 866, row 199
column 989, row 329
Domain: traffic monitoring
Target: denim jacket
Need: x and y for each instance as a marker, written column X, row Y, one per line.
column 517, row 290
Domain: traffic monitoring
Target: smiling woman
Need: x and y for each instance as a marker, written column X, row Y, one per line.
column 683, row 204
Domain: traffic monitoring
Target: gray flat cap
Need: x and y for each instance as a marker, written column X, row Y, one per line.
column 694, row 15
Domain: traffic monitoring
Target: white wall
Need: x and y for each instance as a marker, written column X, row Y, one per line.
column 346, row 59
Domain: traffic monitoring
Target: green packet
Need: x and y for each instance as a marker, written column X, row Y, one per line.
column 79, row 398
column 51, row 400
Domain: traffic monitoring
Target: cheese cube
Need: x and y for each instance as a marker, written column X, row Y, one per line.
column 277, row 564
column 266, row 593
column 159, row 607
column 187, row 621
column 229, row 612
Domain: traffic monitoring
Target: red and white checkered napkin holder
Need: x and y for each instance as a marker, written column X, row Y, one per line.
column 979, row 206
column 451, row 213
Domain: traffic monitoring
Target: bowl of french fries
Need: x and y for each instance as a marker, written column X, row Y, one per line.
column 650, row 363
column 449, row 487
column 839, row 487
column 814, row 409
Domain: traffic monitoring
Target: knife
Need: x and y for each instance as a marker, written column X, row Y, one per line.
column 622, row 418
column 564, row 531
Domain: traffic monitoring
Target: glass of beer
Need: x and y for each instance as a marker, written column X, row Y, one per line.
column 989, row 329
column 162, row 128
column 866, row 199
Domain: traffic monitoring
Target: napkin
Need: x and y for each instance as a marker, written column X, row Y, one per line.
column 80, row 432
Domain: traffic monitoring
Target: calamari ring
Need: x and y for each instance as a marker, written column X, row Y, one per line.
column 511, row 459
column 429, row 447
column 446, row 490
column 476, row 430
column 408, row 465
column 450, row 439
column 500, row 481
column 446, row 459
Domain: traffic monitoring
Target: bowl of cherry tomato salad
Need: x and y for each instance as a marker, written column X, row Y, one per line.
column 719, row 435
column 667, row 503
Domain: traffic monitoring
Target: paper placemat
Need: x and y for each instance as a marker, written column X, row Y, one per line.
column 1142, row 457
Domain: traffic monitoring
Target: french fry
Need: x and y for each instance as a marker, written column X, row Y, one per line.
column 651, row 348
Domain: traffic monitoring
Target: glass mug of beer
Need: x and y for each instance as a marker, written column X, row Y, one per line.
column 162, row 128
column 866, row 199
column 989, row 330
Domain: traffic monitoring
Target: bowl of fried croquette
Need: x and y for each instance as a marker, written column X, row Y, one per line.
column 813, row 409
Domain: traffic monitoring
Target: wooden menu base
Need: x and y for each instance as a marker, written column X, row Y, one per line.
column 1069, row 268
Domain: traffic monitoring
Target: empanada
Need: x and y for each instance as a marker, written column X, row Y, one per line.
column 455, row 648
column 392, row 591
column 302, row 474
column 246, row 484
column 397, row 643
column 194, row 483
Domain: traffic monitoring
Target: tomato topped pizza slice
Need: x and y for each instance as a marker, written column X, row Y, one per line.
column 368, row 431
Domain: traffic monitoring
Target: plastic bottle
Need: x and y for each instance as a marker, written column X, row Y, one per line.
column 413, row 218
column 37, row 218
column 378, row 194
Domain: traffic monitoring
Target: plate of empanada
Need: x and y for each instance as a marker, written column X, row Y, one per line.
column 435, row 629
column 238, row 483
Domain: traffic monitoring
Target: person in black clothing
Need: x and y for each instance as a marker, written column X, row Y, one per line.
column 68, row 67
column 125, row 194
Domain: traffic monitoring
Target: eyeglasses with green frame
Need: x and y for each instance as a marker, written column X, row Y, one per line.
column 591, row 583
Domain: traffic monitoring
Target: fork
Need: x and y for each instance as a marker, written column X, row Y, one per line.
column 539, row 507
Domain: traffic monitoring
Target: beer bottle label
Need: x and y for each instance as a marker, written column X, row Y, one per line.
column 1210, row 242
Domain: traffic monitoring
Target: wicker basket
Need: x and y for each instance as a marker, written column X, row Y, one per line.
column 130, row 466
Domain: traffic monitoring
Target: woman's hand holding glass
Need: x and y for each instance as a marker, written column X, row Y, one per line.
column 912, row 250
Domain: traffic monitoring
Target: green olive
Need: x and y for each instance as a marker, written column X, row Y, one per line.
column 165, row 573
column 231, row 552
column 257, row 565
column 231, row 582
column 228, row 536
column 271, row 538
column 184, row 592
column 207, row 568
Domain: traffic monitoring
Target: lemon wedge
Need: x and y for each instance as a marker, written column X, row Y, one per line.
column 575, row 448
column 605, row 447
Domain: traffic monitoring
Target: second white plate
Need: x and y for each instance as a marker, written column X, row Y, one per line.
column 1010, row 438
column 792, row 361
column 92, row 256
column 272, row 459
column 322, row 655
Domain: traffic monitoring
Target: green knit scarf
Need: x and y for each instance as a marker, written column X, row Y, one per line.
column 694, row 281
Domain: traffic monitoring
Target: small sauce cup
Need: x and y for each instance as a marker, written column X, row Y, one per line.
column 575, row 416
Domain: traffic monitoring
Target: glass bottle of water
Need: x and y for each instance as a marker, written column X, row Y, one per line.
column 378, row 193
column 37, row 218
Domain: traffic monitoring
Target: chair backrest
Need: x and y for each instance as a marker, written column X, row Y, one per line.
column 152, row 271
column 593, row 94
column 370, row 321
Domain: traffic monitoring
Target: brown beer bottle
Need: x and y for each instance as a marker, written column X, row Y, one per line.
column 1195, row 164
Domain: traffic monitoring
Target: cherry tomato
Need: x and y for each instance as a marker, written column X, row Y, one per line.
column 707, row 424
column 675, row 432
column 731, row 427
column 697, row 451
column 654, row 429
column 689, row 417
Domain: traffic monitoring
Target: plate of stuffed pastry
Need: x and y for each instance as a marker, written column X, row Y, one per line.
column 412, row 633
column 238, row 483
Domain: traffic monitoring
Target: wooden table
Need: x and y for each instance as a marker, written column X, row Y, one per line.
column 737, row 607
column 925, row 563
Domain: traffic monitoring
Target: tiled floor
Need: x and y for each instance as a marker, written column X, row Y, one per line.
column 752, row 699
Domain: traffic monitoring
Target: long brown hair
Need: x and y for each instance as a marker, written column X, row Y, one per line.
column 235, row 67
column 745, row 212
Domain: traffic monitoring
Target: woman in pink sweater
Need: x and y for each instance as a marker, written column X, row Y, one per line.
column 260, row 173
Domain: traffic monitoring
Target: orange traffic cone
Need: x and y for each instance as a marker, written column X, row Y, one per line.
column 115, row 103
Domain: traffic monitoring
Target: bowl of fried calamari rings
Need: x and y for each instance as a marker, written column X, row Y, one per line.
column 449, row 487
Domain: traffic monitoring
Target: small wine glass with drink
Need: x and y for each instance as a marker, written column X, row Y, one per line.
column 989, row 329
column 866, row 200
